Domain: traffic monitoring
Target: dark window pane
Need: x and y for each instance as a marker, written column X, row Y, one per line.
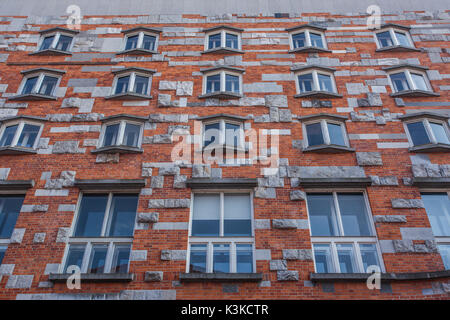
column 131, row 135
column 29, row 85
column 205, row 220
column 244, row 258
column 123, row 209
column 439, row 132
column 322, row 214
column 221, row 258
column 213, row 83
column 2, row 253
column 399, row 81
column 419, row 81
column 131, row 42
column 64, row 43
column 299, row 40
column 418, row 133
column 314, row 133
column 232, row 132
column 335, row 133
column 212, row 134
column 111, row 133
column 237, row 215
column 305, row 83
column 316, row 40
column 354, row 214
column 444, row 250
column 48, row 85
column 28, row 136
column 437, row 206
column 91, row 215
column 98, row 258
column 322, row 257
column 121, row 258
column 47, row 42
column 197, row 260
column 325, row 82
column 346, row 258
column 149, row 42
column 231, row 41
column 231, row 83
column 384, row 38
column 9, row 211
column 369, row 255
column 141, row 85
column 402, row 39
column 74, row 256
column 122, row 84
column 214, row 41
column 8, row 135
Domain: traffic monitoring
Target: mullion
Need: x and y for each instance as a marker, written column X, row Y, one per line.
column 106, row 216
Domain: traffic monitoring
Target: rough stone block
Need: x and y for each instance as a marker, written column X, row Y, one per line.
column 148, row 217
column 278, row 265
column 297, row 195
column 369, row 158
column 287, row 275
column 407, row 203
column 39, row 237
column 153, row 276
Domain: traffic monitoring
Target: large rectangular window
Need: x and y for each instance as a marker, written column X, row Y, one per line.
column 427, row 131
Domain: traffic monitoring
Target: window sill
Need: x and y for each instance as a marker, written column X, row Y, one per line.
column 423, row 182
column 129, row 96
column 117, row 149
column 33, row 97
column 137, row 51
column 415, row 93
column 17, row 150
column 331, row 148
column 334, row 182
column 16, row 184
column 222, row 183
column 326, row 277
column 399, row 48
column 221, row 95
column 222, row 50
column 93, row 277
column 438, row 147
column 318, row 94
column 51, row 52
column 241, row 277
column 310, row 49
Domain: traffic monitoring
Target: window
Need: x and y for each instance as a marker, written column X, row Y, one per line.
column 41, row 83
column 307, row 38
column 56, row 41
column 342, row 233
column 10, row 206
column 427, row 131
column 437, row 206
column 325, row 132
column 221, row 233
column 226, row 82
column 132, row 82
column 411, row 80
column 2, row 253
column 315, row 80
column 141, row 39
column 102, row 234
column 122, row 133
column 19, row 133
column 394, row 38
column 223, row 38
column 223, row 133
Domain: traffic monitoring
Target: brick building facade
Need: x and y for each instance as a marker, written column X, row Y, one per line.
column 90, row 119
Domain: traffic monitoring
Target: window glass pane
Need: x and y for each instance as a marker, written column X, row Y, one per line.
column 29, row 85
column 132, row 42
column 91, row 215
column 316, row 40
column 28, row 136
column 402, row 39
column 212, row 134
column 419, row 81
column 123, row 209
column 98, row 258
column 131, row 135
column 141, row 85
column 149, row 42
column 221, row 258
column 197, row 260
column 418, row 133
column 439, row 132
column 369, row 255
column 2, row 253
column 322, row 214
column 444, row 250
column 232, row 132
column 205, row 221
column 8, row 135
column 122, row 84
column 75, row 256
column 9, row 211
column 47, row 42
column 322, row 257
column 384, row 38
column 437, row 206
column 346, row 258
column 299, row 40
column 64, row 43
column 335, row 133
column 305, row 83
column 48, row 85
column 121, row 258
column 325, row 83
column 214, row 41
column 244, row 258
column 399, row 81
column 314, row 134
column 237, row 215
column 213, row 83
column 111, row 133
column 354, row 215
column 231, row 83
column 231, row 41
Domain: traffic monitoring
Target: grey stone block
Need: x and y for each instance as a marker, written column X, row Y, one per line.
column 4, row 172
column 6, row 269
column 201, row 171
column 107, row 158
column 284, row 224
column 147, row 172
column 325, row 172
column 147, row 217
column 287, row 275
column 157, row 182
column 173, row 255
column 416, row 233
column 390, row 219
column 17, row 235
column 297, row 254
column 34, row 208
column 153, row 276
column 403, row 246
column 278, row 265
column 265, row 193
column 278, row 101
column 138, row 255
column 407, row 203
column 169, row 203
column 168, row 170
column 19, row 281
column 179, row 181
column 297, row 195
column 51, row 268
column 271, row 181
column 262, row 224
column 67, row 147
column 63, row 235
column 369, row 158
column 184, row 88
column 39, row 237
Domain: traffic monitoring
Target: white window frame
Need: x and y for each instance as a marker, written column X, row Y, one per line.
column 89, row 242
column 223, row 74
column 122, row 123
column 221, row 239
column 4, row 242
column 394, row 39
column 131, row 82
column 307, row 38
column 39, row 81
column 19, row 130
column 325, row 133
column 412, row 85
column 429, row 131
column 140, row 35
column 316, row 85
column 3, row 245
column 355, row 240
column 222, row 133
column 223, row 33
column 57, row 35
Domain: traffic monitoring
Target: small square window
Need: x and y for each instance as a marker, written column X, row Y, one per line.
column 215, row 41
column 132, row 83
column 231, row 83
column 121, row 133
column 43, row 84
column 425, row 131
column 29, row 85
column 141, row 40
column 399, row 81
column 310, row 39
column 223, row 39
column 132, row 42
column 10, row 206
column 409, row 80
column 223, row 133
column 47, row 42
column 315, row 81
column 122, row 84
column 325, row 132
column 316, row 40
column 306, row 82
column 299, row 40
column 393, row 39
column 384, row 39
column 149, row 42
column 231, row 41
column 20, row 134
column 213, row 83
column 59, row 40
